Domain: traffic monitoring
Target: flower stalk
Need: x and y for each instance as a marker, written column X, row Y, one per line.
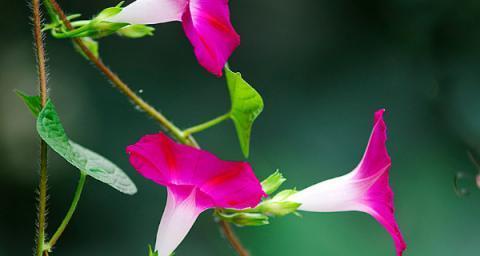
column 206, row 125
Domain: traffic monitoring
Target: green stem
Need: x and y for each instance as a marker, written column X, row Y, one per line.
column 71, row 211
column 206, row 125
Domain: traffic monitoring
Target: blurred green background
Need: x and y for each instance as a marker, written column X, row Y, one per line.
column 323, row 68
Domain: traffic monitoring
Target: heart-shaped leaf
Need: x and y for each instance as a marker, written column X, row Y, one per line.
column 52, row 132
column 103, row 170
column 247, row 104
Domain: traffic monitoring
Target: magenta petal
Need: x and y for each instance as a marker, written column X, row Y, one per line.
column 208, row 27
column 379, row 198
column 379, row 202
column 224, row 184
column 376, row 157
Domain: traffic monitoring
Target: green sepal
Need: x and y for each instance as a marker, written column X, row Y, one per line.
column 273, row 182
column 109, row 12
column 284, row 195
column 99, row 27
column 247, row 104
column 276, row 208
column 244, row 218
column 136, row 31
column 151, row 252
column 103, row 28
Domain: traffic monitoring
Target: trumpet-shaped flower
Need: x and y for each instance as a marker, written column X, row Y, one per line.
column 205, row 22
column 196, row 180
column 365, row 189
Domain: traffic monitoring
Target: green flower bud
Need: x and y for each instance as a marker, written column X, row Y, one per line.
column 136, row 31
column 244, row 219
column 276, row 208
column 273, row 182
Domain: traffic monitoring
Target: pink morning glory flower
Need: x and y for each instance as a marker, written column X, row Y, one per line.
column 205, row 22
column 196, row 180
column 365, row 189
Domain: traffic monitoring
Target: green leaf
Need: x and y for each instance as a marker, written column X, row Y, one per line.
column 247, row 104
column 52, row 132
column 273, row 182
column 103, row 170
column 33, row 102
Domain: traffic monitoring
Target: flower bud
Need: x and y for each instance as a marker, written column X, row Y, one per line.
column 136, row 31
column 244, row 218
column 275, row 208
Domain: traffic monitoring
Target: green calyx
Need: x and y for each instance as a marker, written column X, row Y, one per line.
column 273, row 182
column 277, row 205
column 98, row 27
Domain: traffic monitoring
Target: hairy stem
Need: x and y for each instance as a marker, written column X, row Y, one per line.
column 151, row 111
column 71, row 211
column 39, row 51
column 42, row 79
column 42, row 199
